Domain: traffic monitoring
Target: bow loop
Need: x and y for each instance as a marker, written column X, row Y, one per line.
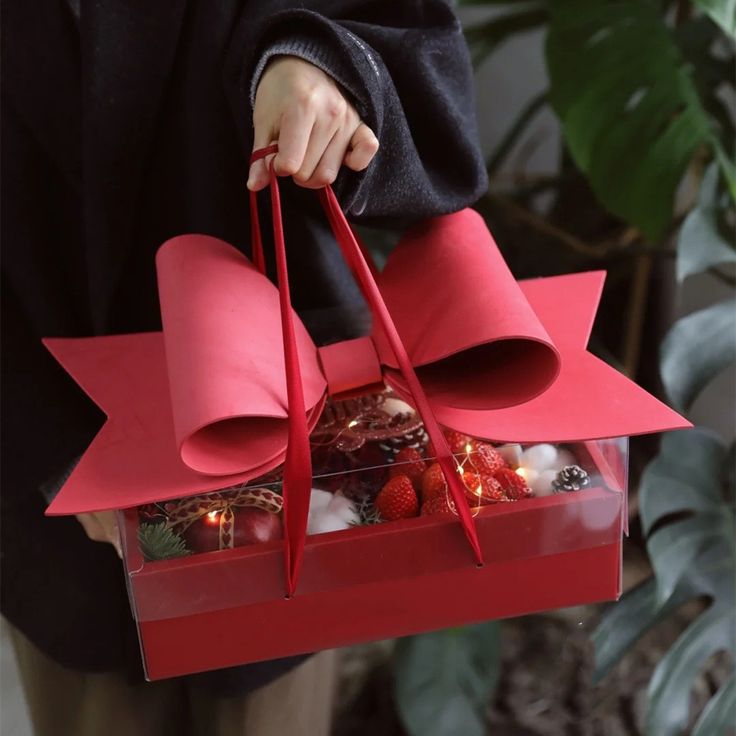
column 465, row 322
column 225, row 359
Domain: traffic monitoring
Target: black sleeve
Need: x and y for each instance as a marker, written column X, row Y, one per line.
column 407, row 66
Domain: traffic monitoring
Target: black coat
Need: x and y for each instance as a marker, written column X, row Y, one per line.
column 141, row 132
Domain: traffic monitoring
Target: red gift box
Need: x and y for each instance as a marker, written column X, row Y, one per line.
column 232, row 387
column 384, row 580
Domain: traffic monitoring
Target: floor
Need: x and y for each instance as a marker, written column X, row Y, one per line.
column 13, row 714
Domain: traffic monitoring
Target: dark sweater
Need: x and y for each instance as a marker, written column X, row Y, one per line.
column 140, row 132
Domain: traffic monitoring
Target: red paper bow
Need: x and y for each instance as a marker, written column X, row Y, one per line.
column 205, row 404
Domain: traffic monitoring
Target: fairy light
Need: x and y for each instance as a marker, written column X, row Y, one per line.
column 212, row 517
column 353, row 423
column 522, row 472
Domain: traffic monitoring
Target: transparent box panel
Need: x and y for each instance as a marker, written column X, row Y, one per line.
column 373, row 464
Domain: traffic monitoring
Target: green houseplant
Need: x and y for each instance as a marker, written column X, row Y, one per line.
column 641, row 90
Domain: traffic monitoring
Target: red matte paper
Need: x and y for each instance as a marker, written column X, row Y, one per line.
column 233, row 385
column 135, row 459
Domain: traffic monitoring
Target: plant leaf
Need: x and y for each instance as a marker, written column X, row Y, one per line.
column 444, row 679
column 159, row 542
column 696, row 350
column 669, row 689
column 723, row 12
column 626, row 622
column 693, row 557
column 628, row 105
column 701, row 244
column 720, row 713
column 684, row 476
column 728, row 169
column 677, row 546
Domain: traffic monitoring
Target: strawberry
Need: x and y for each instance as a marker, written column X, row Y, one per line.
column 512, row 484
column 458, row 442
column 472, row 483
column 397, row 499
column 409, row 462
column 437, row 505
column 433, row 482
column 486, row 459
column 490, row 489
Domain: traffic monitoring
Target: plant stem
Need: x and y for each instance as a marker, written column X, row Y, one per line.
column 514, row 132
column 724, row 277
column 538, row 223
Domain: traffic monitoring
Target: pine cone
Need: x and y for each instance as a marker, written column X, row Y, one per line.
column 570, row 478
column 393, row 445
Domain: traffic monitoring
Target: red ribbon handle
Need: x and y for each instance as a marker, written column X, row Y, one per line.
column 297, row 485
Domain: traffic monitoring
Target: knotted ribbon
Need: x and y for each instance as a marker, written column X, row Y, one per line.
column 222, row 504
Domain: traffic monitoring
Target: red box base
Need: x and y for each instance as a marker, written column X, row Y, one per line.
column 227, row 608
column 338, row 618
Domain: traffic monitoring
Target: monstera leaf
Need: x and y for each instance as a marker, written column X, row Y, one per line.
column 702, row 244
column 696, row 349
column 628, row 105
column 444, row 679
column 723, row 12
column 690, row 528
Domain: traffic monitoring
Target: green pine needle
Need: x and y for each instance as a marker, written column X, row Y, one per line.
column 159, row 542
column 367, row 512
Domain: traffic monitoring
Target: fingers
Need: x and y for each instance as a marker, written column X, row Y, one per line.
column 330, row 161
column 363, row 147
column 334, row 116
column 317, row 129
column 102, row 527
column 294, row 136
column 353, row 144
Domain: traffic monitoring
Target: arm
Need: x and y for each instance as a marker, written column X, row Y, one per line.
column 405, row 66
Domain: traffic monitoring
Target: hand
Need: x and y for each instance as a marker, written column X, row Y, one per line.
column 102, row 526
column 317, row 129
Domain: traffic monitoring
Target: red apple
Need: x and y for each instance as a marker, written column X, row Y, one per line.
column 251, row 526
column 254, row 526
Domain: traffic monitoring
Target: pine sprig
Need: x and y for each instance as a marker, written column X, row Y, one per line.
column 367, row 512
column 159, row 542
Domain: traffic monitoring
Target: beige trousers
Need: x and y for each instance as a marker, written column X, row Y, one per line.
column 64, row 702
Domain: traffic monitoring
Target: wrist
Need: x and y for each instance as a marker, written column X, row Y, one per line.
column 311, row 51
